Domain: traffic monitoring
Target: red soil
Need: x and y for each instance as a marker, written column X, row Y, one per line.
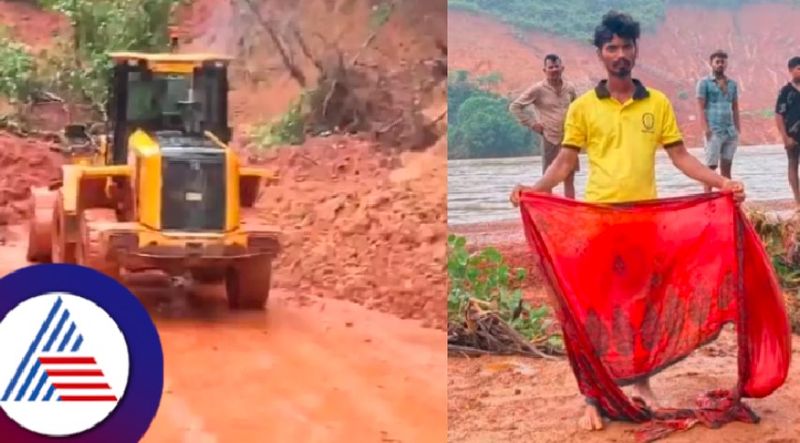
column 360, row 223
column 24, row 162
column 31, row 25
column 759, row 38
column 363, row 225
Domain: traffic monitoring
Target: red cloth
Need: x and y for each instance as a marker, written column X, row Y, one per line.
column 640, row 286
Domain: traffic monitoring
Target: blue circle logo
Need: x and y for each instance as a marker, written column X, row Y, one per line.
column 81, row 358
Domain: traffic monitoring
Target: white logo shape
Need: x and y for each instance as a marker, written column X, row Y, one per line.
column 64, row 364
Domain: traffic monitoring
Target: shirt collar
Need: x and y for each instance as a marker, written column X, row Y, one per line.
column 639, row 93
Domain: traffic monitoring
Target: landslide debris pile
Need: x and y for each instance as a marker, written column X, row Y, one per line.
column 363, row 224
column 24, row 162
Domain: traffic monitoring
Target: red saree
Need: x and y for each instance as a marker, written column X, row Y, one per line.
column 640, row 286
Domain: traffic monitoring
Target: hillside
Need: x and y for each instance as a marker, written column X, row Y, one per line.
column 759, row 38
column 388, row 203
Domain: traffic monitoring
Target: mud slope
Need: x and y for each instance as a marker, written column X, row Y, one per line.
column 262, row 86
column 24, row 162
column 361, row 221
column 30, row 25
column 378, row 237
column 760, row 39
column 363, row 224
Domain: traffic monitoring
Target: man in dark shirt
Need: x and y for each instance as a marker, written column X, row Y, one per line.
column 787, row 118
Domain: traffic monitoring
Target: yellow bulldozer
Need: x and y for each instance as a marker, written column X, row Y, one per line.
column 156, row 186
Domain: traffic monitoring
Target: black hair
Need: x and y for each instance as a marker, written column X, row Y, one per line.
column 719, row 53
column 616, row 23
column 552, row 57
column 794, row 62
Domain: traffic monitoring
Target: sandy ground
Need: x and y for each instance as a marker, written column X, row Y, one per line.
column 514, row 399
column 511, row 399
column 311, row 370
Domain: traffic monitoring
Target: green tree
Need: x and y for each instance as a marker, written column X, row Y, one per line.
column 100, row 27
column 481, row 125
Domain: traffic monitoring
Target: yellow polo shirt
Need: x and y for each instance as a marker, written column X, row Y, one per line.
column 620, row 140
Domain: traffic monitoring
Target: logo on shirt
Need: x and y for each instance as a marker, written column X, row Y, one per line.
column 648, row 122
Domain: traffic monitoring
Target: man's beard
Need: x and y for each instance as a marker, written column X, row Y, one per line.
column 622, row 69
column 621, row 72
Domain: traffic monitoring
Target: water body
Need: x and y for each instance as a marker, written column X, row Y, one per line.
column 478, row 189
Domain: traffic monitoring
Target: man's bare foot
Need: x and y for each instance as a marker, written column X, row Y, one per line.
column 643, row 390
column 591, row 420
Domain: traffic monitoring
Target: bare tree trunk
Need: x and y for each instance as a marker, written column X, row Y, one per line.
column 284, row 52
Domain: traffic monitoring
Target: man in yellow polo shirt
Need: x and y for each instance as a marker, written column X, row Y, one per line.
column 620, row 124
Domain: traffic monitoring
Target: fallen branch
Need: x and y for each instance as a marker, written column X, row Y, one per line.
column 438, row 119
column 483, row 330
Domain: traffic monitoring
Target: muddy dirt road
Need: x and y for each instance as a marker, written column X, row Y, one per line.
column 512, row 399
column 308, row 369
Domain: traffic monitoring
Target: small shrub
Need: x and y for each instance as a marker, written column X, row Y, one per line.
column 485, row 276
column 287, row 129
column 17, row 69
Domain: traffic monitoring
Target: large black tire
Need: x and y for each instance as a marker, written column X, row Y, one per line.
column 248, row 284
column 40, row 224
column 90, row 251
column 60, row 250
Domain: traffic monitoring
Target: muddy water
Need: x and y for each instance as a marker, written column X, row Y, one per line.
column 478, row 189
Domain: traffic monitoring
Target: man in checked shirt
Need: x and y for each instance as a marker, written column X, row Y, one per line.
column 718, row 99
column 550, row 98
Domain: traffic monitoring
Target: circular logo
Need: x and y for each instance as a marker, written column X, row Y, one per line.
column 82, row 360
column 66, row 358
column 648, row 121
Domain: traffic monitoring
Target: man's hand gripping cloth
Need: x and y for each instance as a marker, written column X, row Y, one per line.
column 640, row 286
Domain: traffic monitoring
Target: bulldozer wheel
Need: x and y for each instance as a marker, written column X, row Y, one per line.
column 247, row 284
column 91, row 252
column 39, row 226
column 208, row 275
column 60, row 250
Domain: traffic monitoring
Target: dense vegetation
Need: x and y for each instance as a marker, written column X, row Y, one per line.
column 16, row 69
column 578, row 18
column 102, row 26
column 479, row 124
column 78, row 67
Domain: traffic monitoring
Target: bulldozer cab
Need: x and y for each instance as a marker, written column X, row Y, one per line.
column 185, row 93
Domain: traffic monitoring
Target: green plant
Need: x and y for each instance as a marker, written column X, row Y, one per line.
column 780, row 240
column 17, row 69
column 485, row 276
column 100, row 27
column 286, row 129
column 381, row 14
